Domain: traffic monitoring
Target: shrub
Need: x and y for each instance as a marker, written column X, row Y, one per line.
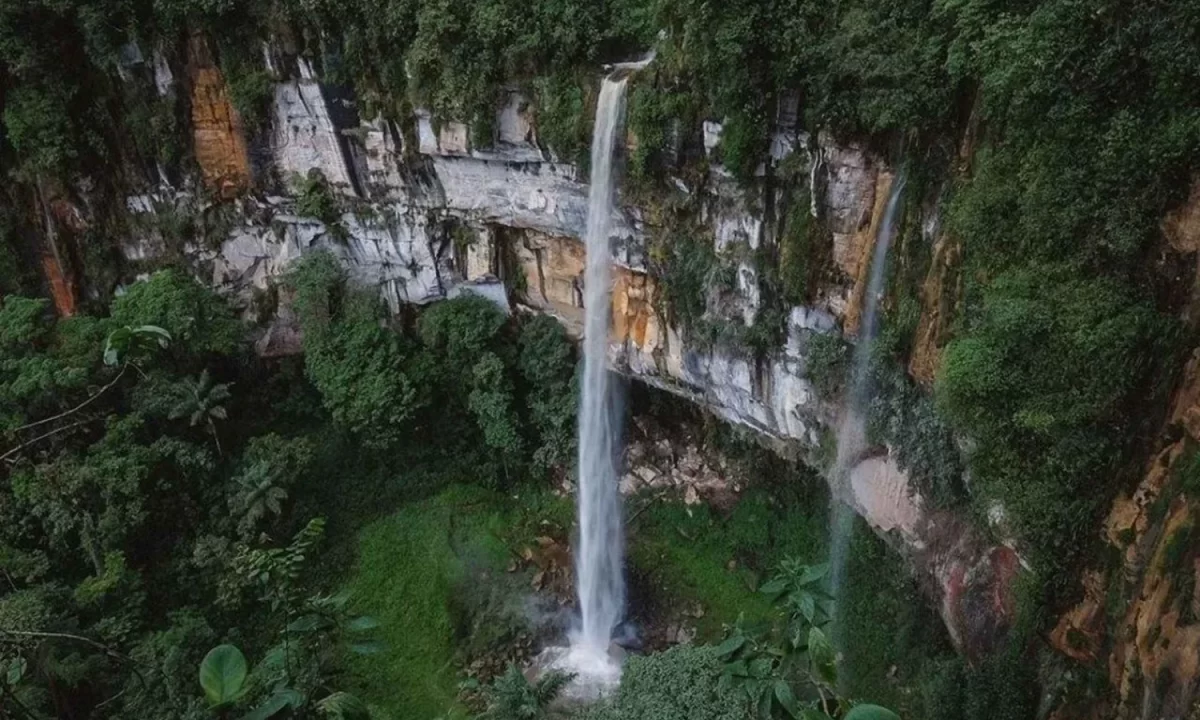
column 37, row 121
column 1043, row 384
column 563, row 123
column 678, row 684
column 358, row 366
column 315, row 199
column 195, row 316
column 827, row 363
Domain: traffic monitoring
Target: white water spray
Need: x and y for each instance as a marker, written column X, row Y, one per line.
column 598, row 561
column 851, row 433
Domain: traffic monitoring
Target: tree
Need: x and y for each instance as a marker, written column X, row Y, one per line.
column 198, row 319
column 358, row 366
column 546, row 364
column 270, row 465
column 491, row 402
column 199, row 400
column 513, row 697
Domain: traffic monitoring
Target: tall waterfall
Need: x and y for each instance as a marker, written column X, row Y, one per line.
column 598, row 559
column 851, row 433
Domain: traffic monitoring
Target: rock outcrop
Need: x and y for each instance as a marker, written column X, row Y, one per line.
column 1144, row 607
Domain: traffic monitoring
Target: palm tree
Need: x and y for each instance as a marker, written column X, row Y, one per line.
column 258, row 493
column 513, row 697
column 200, row 401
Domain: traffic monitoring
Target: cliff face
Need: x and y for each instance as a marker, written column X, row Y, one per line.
column 1136, row 622
column 428, row 215
column 422, row 214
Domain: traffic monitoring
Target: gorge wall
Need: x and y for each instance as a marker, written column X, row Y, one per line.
column 421, row 211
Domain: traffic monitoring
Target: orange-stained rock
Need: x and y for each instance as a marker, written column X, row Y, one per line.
column 1155, row 663
column 552, row 267
column 1080, row 632
column 68, row 215
column 855, row 259
column 940, row 296
column 633, row 316
column 217, row 135
column 1154, row 658
column 62, row 222
column 1182, row 227
column 62, row 284
column 1129, row 520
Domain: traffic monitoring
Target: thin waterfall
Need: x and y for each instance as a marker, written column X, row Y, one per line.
column 851, row 433
column 599, row 556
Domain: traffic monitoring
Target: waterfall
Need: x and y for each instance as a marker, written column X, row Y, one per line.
column 598, row 560
column 851, row 432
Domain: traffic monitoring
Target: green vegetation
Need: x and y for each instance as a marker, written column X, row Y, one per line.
column 887, row 623
column 514, row 697
column 409, row 566
column 1059, row 363
column 156, row 471
column 314, row 198
column 679, row 684
column 151, row 463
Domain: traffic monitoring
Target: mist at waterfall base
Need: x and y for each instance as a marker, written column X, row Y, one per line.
column 599, row 552
column 852, row 432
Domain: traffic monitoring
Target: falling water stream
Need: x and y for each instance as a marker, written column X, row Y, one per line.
column 599, row 579
column 600, row 550
column 851, row 433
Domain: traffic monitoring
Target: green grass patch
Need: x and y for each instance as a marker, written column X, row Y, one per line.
column 686, row 553
column 408, row 567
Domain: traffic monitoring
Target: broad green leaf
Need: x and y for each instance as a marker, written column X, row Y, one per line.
column 731, row 645
column 773, row 586
column 162, row 337
column 812, row 573
column 223, row 674
column 306, row 623
column 16, row 670
column 764, row 702
column 761, row 667
column 370, row 647
column 786, row 698
column 811, row 714
column 808, row 606
column 822, row 657
column 343, row 706
column 738, row 669
column 362, row 623
column 871, row 712
column 275, row 705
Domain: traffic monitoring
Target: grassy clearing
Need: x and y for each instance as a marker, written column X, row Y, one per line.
column 412, row 570
column 686, row 552
column 406, row 570
column 408, row 574
column 696, row 556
